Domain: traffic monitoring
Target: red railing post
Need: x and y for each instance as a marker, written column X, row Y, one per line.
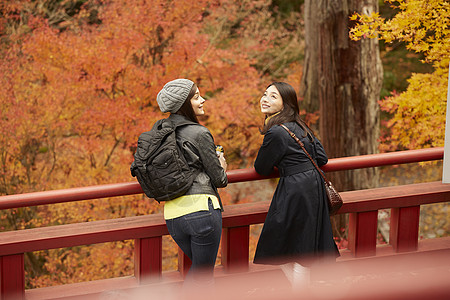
column 184, row 263
column 12, row 277
column 404, row 233
column 148, row 259
column 362, row 233
column 235, row 248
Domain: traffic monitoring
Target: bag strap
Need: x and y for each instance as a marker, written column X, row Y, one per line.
column 306, row 152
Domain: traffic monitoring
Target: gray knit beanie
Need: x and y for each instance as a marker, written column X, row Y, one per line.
column 173, row 95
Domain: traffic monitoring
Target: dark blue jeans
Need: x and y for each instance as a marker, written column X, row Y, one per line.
column 198, row 235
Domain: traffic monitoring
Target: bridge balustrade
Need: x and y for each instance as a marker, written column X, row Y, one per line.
column 147, row 231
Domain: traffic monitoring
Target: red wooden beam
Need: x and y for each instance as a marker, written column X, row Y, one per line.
column 68, row 195
column 21, row 241
column 236, row 220
column 404, row 232
column 184, row 263
column 241, row 175
column 353, row 162
column 148, row 259
column 383, row 159
column 12, row 277
column 245, row 214
column 235, row 248
column 35, row 239
column 362, row 233
column 395, row 196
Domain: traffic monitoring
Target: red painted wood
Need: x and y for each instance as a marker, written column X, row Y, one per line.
column 88, row 290
column 235, row 248
column 404, row 232
column 148, row 259
column 426, row 249
column 241, row 175
column 184, row 263
column 68, row 195
column 12, row 277
column 60, row 236
column 21, row 241
column 383, row 159
column 353, row 162
column 362, row 233
column 148, row 229
column 245, row 214
column 395, row 196
column 428, row 252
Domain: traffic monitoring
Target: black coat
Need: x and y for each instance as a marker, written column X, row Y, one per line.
column 297, row 226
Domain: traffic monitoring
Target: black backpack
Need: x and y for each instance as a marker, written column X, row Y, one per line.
column 159, row 165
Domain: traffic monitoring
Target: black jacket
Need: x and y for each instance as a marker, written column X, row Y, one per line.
column 198, row 147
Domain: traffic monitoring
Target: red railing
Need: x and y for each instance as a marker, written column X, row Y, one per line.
column 241, row 175
column 147, row 231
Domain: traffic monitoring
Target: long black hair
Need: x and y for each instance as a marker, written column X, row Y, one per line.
column 290, row 111
column 186, row 109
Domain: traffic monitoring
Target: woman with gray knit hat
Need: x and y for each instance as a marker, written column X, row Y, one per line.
column 194, row 220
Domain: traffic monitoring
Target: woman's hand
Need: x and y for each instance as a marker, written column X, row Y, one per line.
column 222, row 161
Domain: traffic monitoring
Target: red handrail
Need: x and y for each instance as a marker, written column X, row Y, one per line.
column 353, row 162
column 239, row 175
column 384, row 159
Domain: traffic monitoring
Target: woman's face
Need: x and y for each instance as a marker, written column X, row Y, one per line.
column 197, row 104
column 271, row 102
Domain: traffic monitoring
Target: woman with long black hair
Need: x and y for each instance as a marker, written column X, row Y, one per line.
column 297, row 230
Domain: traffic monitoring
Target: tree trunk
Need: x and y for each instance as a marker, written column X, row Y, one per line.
column 347, row 77
column 308, row 87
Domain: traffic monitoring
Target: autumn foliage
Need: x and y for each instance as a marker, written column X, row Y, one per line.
column 79, row 83
column 424, row 26
column 416, row 116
